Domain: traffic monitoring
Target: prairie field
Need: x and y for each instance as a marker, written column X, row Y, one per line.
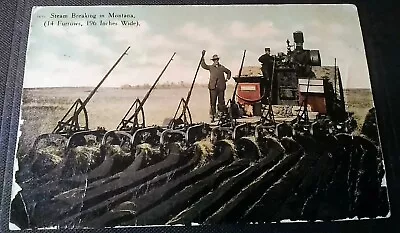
column 42, row 108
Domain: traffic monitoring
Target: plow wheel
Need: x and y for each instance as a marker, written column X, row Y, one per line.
column 77, row 140
column 221, row 133
column 147, row 135
column 117, row 138
column 222, row 146
column 197, row 133
column 170, row 136
column 261, row 131
column 247, row 148
column 117, row 142
column 270, row 146
column 241, row 131
column 85, row 138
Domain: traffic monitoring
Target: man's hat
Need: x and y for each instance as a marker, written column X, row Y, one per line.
column 267, row 49
column 215, row 57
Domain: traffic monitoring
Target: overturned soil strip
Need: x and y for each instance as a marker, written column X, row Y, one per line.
column 367, row 191
column 292, row 207
column 168, row 208
column 46, row 160
column 334, row 202
column 207, row 205
column 122, row 181
column 64, row 205
column 235, row 208
column 208, row 176
column 99, row 207
column 339, row 154
column 310, row 207
column 41, row 196
column 266, row 207
column 74, row 161
column 172, row 185
column 355, row 157
column 104, row 169
column 43, row 188
column 272, row 199
column 52, row 175
column 345, row 182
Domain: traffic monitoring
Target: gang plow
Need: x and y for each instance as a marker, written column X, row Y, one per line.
column 234, row 171
column 205, row 175
column 245, row 179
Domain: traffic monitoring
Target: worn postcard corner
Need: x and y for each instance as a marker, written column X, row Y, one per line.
column 191, row 115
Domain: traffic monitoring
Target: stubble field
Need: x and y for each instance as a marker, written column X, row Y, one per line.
column 42, row 108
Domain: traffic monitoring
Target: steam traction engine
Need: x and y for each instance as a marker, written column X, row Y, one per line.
column 300, row 90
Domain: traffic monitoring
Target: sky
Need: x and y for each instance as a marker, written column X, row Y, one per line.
column 65, row 56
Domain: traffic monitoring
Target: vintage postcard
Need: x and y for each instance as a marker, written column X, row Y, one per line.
column 196, row 115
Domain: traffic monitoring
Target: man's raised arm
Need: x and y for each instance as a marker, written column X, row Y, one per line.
column 203, row 63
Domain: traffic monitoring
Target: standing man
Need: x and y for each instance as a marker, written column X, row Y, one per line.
column 267, row 63
column 216, row 83
column 266, row 68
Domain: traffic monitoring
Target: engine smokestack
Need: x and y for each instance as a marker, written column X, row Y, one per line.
column 298, row 39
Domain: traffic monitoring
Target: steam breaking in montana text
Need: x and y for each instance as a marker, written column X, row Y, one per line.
column 91, row 16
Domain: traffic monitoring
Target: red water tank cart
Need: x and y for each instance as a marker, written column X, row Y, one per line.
column 248, row 95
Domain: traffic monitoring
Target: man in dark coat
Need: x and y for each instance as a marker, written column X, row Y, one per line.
column 216, row 83
column 267, row 63
column 266, row 68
